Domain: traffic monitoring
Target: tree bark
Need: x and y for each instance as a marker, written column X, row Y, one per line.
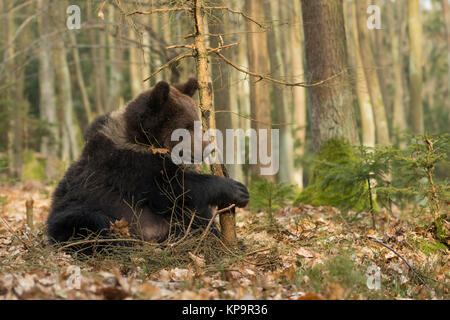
column 396, row 26
column 115, row 63
column 446, row 12
column 80, row 78
column 221, row 81
column 65, row 94
column 15, row 103
column 326, row 56
column 370, row 71
column 99, row 65
column 47, row 104
column 415, row 67
column 135, row 65
column 282, row 112
column 298, row 93
column 362, row 92
column 258, row 56
column 227, row 219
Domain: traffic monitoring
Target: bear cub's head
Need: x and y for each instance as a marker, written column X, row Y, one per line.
column 150, row 119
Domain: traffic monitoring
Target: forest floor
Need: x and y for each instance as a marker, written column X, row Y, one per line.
column 305, row 253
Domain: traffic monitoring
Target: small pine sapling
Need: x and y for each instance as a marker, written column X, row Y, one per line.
column 268, row 196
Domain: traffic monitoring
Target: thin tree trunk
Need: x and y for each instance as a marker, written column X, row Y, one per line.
column 258, row 56
column 65, row 96
column 326, row 56
column 362, row 93
column 299, row 93
column 146, row 55
column 115, row 63
column 98, row 61
column 381, row 60
column 286, row 143
column 396, row 26
column 47, row 104
column 221, row 85
column 446, row 12
column 242, row 86
column 80, row 78
column 155, row 24
column 135, row 65
column 227, row 219
column 16, row 104
column 415, row 66
column 373, row 83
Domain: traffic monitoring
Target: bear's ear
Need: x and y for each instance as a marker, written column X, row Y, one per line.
column 159, row 94
column 189, row 87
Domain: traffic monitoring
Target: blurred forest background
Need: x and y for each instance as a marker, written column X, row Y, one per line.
column 54, row 81
column 363, row 109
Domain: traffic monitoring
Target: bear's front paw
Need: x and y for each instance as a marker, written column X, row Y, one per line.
column 238, row 194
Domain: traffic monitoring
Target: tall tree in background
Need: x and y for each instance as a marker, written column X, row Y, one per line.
column 397, row 28
column 446, row 12
column 115, row 61
column 47, row 103
column 326, row 58
column 282, row 111
column 99, row 64
column 258, row 58
column 362, row 92
column 16, row 104
column 298, row 93
column 71, row 148
column 221, row 76
column 136, row 63
column 80, row 78
column 415, row 67
column 371, row 75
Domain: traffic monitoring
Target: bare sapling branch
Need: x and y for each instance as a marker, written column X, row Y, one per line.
column 227, row 219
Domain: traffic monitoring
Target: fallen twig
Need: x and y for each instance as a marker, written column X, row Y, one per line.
column 209, row 226
column 403, row 259
column 81, row 242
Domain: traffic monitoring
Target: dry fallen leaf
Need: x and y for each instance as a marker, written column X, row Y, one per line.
column 336, row 292
column 198, row 261
column 120, row 227
column 290, row 272
column 310, row 296
column 304, row 253
column 149, row 291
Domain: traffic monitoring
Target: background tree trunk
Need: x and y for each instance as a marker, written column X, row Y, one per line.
column 15, row 102
column 221, row 77
column 373, row 83
column 228, row 218
column 396, row 27
column 80, row 78
column 65, row 100
column 282, row 112
column 415, row 66
column 298, row 93
column 446, row 12
column 47, row 104
column 258, row 57
column 362, row 93
column 135, row 64
column 115, row 62
column 98, row 52
column 326, row 55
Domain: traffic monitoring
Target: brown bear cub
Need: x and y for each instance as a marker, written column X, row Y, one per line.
column 120, row 176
